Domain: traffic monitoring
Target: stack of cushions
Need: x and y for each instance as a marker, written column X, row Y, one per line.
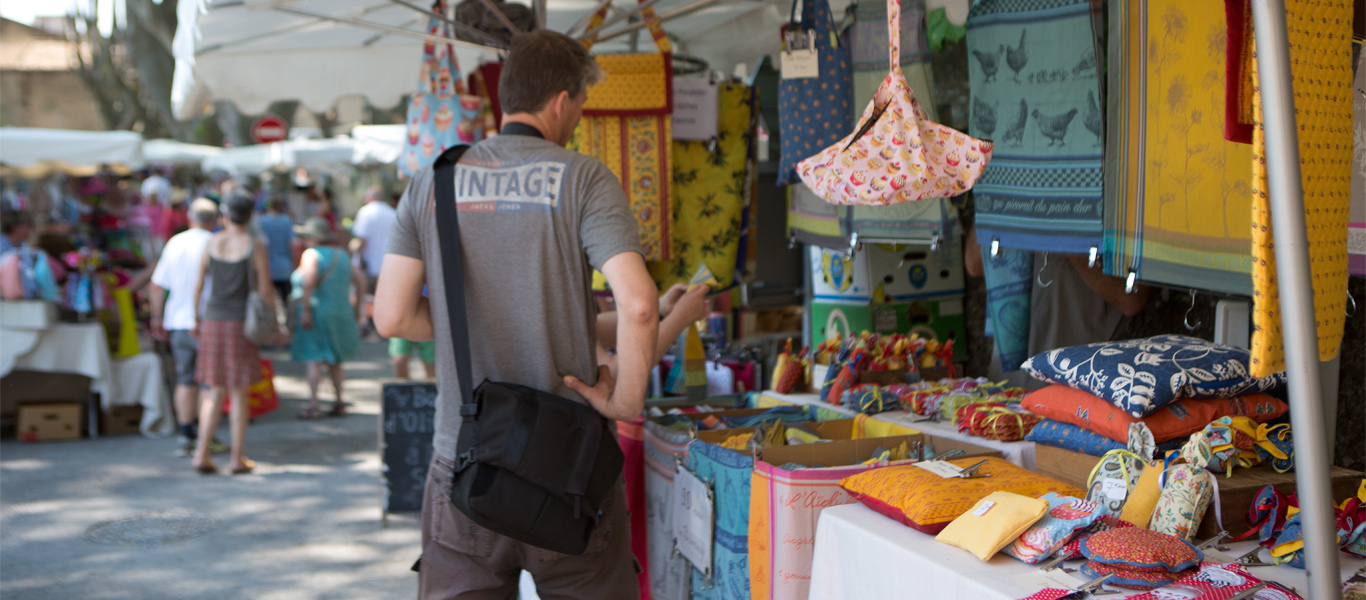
column 927, row 502
column 1138, row 558
column 1174, row 384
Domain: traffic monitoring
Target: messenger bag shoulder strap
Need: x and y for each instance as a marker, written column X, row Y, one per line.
column 453, row 276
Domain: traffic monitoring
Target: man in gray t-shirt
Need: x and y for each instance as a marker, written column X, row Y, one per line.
column 535, row 220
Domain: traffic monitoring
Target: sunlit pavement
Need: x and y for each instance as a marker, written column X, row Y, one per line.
column 86, row 519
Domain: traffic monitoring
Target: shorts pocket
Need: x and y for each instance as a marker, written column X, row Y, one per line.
column 450, row 528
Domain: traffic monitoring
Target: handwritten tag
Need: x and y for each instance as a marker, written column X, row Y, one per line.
column 801, row 64
column 983, row 507
column 692, row 519
column 1115, row 489
column 941, row 468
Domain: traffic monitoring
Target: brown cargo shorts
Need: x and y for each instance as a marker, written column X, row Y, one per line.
column 462, row 560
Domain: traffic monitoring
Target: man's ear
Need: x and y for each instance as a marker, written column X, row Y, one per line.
column 561, row 103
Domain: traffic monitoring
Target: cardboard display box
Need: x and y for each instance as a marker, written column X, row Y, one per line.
column 1235, row 493
column 941, row 319
column 122, row 420
column 881, row 273
column 33, row 387
column 50, row 422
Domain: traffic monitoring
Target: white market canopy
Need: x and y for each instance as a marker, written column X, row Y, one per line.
column 175, row 152
column 377, row 144
column 259, row 158
column 35, row 153
column 255, row 52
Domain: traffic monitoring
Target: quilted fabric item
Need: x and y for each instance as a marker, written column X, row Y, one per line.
column 1140, row 376
column 1140, row 548
column 813, row 113
column 1321, row 69
column 927, row 502
column 1066, row 517
column 441, row 113
column 1132, row 577
column 1036, row 88
column 1117, row 465
column 1178, row 419
column 993, row 523
column 1217, row 582
column 896, row 154
column 1175, row 208
column 707, row 195
column 1186, row 494
column 1071, row 437
column 1072, row 549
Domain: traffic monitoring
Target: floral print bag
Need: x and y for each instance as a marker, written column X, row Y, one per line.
column 441, row 113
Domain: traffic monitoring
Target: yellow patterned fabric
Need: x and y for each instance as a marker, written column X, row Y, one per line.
column 632, row 82
column 708, row 195
column 1321, row 68
column 636, row 150
column 927, row 502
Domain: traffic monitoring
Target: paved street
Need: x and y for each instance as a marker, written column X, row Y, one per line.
column 305, row 525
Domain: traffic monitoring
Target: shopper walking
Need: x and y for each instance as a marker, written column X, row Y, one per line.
column 528, row 245
column 174, row 296
column 370, row 232
column 279, row 237
column 326, row 328
column 228, row 362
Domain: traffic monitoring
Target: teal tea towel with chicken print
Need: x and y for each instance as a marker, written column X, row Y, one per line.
column 1036, row 91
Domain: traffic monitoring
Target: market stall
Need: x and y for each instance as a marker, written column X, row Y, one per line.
column 34, row 153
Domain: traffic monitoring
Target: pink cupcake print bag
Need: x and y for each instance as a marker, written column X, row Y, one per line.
column 441, row 113
column 896, row 154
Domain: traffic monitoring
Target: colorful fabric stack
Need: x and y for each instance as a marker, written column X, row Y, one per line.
column 996, row 421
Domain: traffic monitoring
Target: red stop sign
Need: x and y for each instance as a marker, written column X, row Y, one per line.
column 269, row 128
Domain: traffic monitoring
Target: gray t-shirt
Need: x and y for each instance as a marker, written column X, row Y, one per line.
column 535, row 219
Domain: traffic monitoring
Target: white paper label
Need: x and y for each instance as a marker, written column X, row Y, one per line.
column 692, row 514
column 1114, row 489
column 1036, row 581
column 801, row 64
column 940, row 468
column 695, row 106
column 983, row 507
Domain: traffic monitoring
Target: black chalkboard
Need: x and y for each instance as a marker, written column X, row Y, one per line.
column 407, row 423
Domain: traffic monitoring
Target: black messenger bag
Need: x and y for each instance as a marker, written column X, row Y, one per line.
column 530, row 465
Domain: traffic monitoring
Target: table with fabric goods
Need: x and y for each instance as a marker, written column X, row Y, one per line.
column 861, row 554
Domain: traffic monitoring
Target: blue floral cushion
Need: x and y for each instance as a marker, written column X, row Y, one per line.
column 1143, row 375
column 1070, row 437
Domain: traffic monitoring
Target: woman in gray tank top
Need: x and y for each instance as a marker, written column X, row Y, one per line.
column 229, row 363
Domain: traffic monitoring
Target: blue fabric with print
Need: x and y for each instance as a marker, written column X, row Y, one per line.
column 1010, row 282
column 815, row 113
column 1066, row 516
column 1070, row 437
column 728, row 474
column 1140, row 376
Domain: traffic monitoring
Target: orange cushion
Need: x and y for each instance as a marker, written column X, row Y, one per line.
column 928, row 502
column 1178, row 419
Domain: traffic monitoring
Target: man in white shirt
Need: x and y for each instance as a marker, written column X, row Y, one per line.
column 156, row 190
column 172, row 295
column 371, row 230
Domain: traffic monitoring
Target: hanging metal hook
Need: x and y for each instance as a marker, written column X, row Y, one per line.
column 1353, row 302
column 1039, row 276
column 1187, row 320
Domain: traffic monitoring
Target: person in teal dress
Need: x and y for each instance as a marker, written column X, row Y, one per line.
column 326, row 322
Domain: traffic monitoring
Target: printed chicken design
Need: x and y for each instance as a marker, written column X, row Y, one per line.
column 1054, row 127
column 1016, row 57
column 984, row 117
column 1092, row 117
column 990, row 62
column 1015, row 132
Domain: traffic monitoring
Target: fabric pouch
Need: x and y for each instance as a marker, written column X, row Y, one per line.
column 1143, row 497
column 1066, row 516
column 1113, row 479
column 993, row 523
column 1137, row 578
column 1072, row 550
column 1186, row 494
column 1136, row 548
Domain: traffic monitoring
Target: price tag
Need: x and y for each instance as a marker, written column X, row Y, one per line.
column 1039, row 580
column 692, row 519
column 940, row 468
column 983, row 507
column 1115, row 489
column 695, row 107
column 801, row 64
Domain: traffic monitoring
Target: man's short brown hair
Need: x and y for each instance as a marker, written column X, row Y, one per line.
column 540, row 65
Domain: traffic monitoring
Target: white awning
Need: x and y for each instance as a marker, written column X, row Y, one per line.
column 377, row 144
column 259, row 158
column 33, row 153
column 174, row 152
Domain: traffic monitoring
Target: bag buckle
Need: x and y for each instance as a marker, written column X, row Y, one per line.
column 464, row 460
column 469, row 410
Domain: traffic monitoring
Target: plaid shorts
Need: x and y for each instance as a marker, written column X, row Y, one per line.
column 226, row 357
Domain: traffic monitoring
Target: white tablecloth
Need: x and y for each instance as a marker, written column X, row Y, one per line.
column 862, row 555
column 1020, row 453
column 138, row 381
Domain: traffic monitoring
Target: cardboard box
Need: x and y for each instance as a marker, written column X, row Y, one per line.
column 50, row 422
column 33, row 387
column 942, row 319
column 1235, row 493
column 886, row 274
column 844, row 452
column 122, row 420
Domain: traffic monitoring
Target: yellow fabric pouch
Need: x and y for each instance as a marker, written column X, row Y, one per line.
column 1138, row 508
column 993, row 523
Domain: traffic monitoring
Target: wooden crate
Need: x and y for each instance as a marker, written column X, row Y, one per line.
column 1235, row 493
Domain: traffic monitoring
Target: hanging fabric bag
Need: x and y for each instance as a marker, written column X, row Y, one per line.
column 813, row 112
column 441, row 113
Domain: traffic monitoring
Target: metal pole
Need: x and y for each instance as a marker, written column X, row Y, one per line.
column 675, row 13
column 461, row 27
column 1285, row 187
column 394, row 30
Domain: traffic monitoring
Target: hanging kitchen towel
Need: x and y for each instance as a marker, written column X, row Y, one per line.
column 1356, row 228
column 1010, row 281
column 896, row 154
column 906, row 221
column 708, row 195
column 817, row 111
column 868, row 47
column 1321, row 69
column 1036, row 90
column 728, row 473
column 812, row 220
column 1176, row 209
column 626, row 125
column 440, row 114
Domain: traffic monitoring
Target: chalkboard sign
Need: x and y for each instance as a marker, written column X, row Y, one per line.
column 407, row 423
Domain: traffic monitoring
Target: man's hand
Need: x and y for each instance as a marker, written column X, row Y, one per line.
column 670, row 299
column 693, row 306
column 600, row 395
